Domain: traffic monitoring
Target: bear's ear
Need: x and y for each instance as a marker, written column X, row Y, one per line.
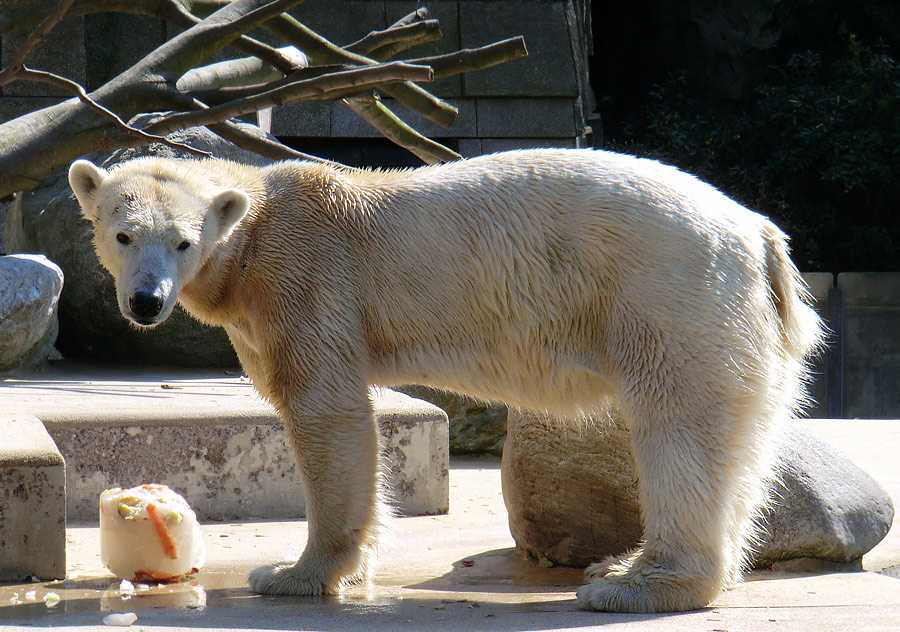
column 229, row 207
column 85, row 178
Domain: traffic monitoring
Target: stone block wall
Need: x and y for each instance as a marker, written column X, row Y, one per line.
column 537, row 101
column 820, row 283
column 869, row 344
column 858, row 374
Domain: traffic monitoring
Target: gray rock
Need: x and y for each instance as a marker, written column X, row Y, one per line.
column 475, row 427
column 829, row 509
column 30, row 286
column 48, row 221
column 572, row 496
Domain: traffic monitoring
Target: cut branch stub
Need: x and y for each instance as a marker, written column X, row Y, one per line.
column 190, row 48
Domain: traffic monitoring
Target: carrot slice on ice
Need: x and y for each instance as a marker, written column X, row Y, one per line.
column 162, row 530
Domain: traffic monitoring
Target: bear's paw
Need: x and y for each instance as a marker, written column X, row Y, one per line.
column 611, row 594
column 300, row 579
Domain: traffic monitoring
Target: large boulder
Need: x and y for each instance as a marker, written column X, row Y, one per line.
column 30, row 286
column 48, row 221
column 571, row 490
column 829, row 509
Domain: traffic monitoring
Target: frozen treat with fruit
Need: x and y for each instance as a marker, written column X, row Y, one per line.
column 149, row 533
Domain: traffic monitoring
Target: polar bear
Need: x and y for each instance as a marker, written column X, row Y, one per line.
column 552, row 280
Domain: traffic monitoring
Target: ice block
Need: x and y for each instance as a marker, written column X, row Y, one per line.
column 149, row 533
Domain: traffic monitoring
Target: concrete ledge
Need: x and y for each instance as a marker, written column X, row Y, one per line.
column 212, row 438
column 32, row 501
column 416, row 452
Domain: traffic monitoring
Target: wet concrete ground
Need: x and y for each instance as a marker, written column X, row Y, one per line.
column 453, row 572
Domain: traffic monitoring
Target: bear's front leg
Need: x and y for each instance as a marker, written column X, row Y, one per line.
column 337, row 454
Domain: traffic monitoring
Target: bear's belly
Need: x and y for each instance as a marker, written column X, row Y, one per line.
column 561, row 384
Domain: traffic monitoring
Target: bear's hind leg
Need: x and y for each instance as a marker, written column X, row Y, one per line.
column 695, row 459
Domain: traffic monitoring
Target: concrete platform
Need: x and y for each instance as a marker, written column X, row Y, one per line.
column 208, row 435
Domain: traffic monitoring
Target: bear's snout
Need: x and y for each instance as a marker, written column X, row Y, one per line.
column 145, row 306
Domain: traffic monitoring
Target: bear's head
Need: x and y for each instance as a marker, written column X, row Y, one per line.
column 156, row 222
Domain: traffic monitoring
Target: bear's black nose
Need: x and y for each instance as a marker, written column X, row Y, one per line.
column 145, row 304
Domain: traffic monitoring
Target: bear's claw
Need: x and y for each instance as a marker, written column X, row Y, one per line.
column 611, row 564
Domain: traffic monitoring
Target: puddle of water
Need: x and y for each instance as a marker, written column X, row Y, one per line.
column 29, row 601
column 207, row 589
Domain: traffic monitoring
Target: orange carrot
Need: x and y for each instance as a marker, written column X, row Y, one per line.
column 162, row 530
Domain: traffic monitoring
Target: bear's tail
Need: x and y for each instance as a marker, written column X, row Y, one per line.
column 801, row 327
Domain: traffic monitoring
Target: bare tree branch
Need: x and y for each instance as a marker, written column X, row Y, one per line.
column 416, row 16
column 262, row 146
column 168, row 79
column 470, row 59
column 330, row 86
column 190, row 48
column 25, row 15
column 17, row 63
column 374, row 112
column 178, row 12
column 321, row 51
column 274, row 57
column 36, row 143
column 408, row 35
column 16, row 70
column 243, row 72
column 218, row 96
column 128, row 130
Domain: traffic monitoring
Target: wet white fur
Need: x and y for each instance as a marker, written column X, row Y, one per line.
column 548, row 279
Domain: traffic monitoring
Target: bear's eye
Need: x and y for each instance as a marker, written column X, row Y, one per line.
column 123, row 239
column 184, row 246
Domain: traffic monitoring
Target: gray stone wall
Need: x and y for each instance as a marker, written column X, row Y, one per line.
column 869, row 344
column 858, row 374
column 537, row 101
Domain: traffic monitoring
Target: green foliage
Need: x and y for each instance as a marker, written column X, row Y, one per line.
column 816, row 146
